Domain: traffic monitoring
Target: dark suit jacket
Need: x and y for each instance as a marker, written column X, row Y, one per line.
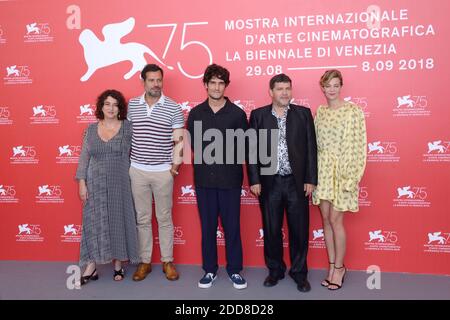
column 301, row 142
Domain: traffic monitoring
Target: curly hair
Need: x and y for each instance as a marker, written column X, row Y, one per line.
column 214, row 70
column 122, row 104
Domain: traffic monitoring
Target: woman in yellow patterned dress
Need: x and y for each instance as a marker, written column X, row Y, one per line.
column 341, row 144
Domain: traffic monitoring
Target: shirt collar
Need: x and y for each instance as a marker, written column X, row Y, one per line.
column 159, row 102
column 225, row 108
column 284, row 114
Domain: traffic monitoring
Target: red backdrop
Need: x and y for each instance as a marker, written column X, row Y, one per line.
column 394, row 68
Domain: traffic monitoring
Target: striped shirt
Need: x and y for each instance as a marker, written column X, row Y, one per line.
column 152, row 140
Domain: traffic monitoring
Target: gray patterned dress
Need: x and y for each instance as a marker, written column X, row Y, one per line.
column 109, row 221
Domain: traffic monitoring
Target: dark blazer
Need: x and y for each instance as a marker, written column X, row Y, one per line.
column 301, row 141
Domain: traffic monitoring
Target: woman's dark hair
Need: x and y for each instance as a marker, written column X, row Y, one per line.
column 122, row 104
column 214, row 70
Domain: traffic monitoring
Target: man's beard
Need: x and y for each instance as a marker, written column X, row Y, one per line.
column 154, row 93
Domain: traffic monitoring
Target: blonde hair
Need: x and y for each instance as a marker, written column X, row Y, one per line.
column 330, row 74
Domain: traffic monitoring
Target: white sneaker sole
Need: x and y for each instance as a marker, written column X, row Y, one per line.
column 239, row 286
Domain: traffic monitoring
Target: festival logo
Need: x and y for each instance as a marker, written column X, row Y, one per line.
column 38, row 32
column 318, row 239
column 411, row 196
column 187, row 195
column 29, row 233
column 382, row 151
column 438, row 242
column 186, row 107
column 44, row 114
column 178, row 236
column 260, row 238
column 220, row 236
column 5, row 116
column 87, row 114
column 411, row 106
column 246, row 105
column 49, row 194
column 361, row 102
column 380, row 240
column 68, row 154
column 301, row 102
column 24, row 155
column 17, row 74
column 103, row 53
column 437, row 151
column 247, row 197
column 72, row 233
column 363, row 197
column 8, row 194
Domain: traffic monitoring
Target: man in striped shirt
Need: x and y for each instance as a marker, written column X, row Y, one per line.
column 157, row 127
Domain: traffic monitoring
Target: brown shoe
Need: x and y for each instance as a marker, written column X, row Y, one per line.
column 170, row 271
column 142, row 271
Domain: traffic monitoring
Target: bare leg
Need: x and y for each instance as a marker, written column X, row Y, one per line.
column 340, row 238
column 89, row 269
column 325, row 207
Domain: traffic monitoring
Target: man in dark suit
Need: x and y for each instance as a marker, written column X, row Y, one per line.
column 290, row 182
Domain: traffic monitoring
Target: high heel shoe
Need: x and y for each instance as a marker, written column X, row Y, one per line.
column 342, row 281
column 326, row 282
column 86, row 279
column 120, row 273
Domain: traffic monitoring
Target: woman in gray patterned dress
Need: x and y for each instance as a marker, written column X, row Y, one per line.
column 109, row 223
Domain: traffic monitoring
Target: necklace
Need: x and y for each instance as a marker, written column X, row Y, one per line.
column 107, row 133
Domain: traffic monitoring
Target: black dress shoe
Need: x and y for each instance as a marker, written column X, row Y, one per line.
column 271, row 281
column 303, row 286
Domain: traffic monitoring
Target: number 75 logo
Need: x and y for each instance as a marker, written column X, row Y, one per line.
column 184, row 44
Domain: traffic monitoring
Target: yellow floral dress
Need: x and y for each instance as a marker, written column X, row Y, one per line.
column 341, row 147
